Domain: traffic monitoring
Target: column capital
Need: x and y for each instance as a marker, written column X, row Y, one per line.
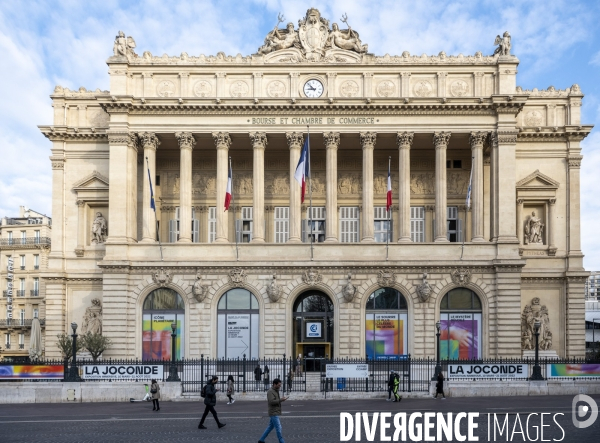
column 367, row 74
column 186, row 140
column 405, row 74
column 132, row 141
column 259, row 140
column 332, row 74
column 294, row 74
column 331, row 139
column 368, row 139
column 257, row 74
column 404, row 140
column 80, row 203
column 552, row 201
column 221, row 74
column 222, row 140
column 148, row 140
column 441, row 139
column 118, row 137
column 477, row 139
column 294, row 139
column 442, row 74
column 507, row 137
column 184, row 74
column 575, row 161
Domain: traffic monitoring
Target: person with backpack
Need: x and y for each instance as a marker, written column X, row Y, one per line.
column 230, row 390
column 209, row 393
column 439, row 386
column 274, row 406
column 390, row 385
column 257, row 375
column 266, row 377
column 397, row 397
column 155, row 393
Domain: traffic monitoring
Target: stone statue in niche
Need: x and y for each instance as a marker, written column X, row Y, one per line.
column 123, row 46
column 532, row 313
column 534, row 229
column 92, row 319
column 99, row 229
column 503, row 43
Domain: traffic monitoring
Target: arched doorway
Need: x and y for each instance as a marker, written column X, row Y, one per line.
column 237, row 325
column 460, row 321
column 161, row 308
column 313, row 328
column 386, row 325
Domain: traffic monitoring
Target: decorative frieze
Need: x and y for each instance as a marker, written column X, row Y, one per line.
column 312, row 277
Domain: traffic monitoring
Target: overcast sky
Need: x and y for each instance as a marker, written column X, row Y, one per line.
column 45, row 43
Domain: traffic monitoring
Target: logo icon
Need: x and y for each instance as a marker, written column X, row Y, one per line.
column 313, row 328
column 579, row 411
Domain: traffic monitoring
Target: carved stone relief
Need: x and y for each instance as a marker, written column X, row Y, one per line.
column 243, row 184
column 422, row 183
column 386, row 277
column 165, row 88
column 277, row 183
column 162, row 277
column 457, row 182
column 380, row 184
column 318, row 183
column 98, row 118
column 532, row 313
column 424, row 289
column 202, row 88
column 199, row 290
column 386, row 88
column 461, row 276
column 349, row 183
column 276, row 88
column 312, row 277
column 533, row 118
column 423, row 88
column 92, row 319
column 274, row 291
column 239, row 88
column 202, row 183
column 459, row 88
column 349, row 88
column 237, row 277
column 349, row 290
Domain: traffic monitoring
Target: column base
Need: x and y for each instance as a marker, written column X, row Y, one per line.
column 220, row 240
column 331, row 240
column 404, row 240
column 368, row 240
column 258, row 240
column 184, row 240
column 477, row 240
column 441, row 240
column 148, row 240
column 294, row 240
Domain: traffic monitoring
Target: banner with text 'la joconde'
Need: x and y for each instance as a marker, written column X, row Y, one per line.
column 122, row 372
column 471, row 371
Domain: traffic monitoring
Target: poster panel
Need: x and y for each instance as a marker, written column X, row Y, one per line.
column 573, row 370
column 156, row 336
column 254, row 336
column 386, row 335
column 238, row 335
column 460, row 335
column 38, row 372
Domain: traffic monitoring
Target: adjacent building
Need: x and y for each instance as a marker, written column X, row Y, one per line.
column 592, row 286
column 482, row 235
column 24, row 249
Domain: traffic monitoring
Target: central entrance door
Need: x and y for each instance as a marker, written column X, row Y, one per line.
column 313, row 329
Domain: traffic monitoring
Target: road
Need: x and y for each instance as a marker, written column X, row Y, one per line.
column 302, row 421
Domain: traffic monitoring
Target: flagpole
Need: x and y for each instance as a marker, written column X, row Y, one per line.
column 155, row 219
column 387, row 238
column 310, row 192
column 467, row 206
column 235, row 228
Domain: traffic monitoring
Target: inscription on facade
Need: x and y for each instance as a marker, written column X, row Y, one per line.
column 313, row 121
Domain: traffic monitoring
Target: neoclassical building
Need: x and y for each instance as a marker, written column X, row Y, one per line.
column 371, row 282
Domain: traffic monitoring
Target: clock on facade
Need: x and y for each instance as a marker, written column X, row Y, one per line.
column 313, row 88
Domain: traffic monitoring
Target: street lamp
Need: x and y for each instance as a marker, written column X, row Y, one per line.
column 74, row 375
column 537, row 370
column 173, row 375
column 438, row 366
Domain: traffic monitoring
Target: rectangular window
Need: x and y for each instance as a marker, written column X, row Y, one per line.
column 22, row 262
column 21, row 287
column 22, row 340
column 349, row 223
column 282, row 224
column 243, row 226
column 212, row 224
column 36, row 287
column 36, row 262
column 23, row 237
column 317, row 230
column 417, row 224
column 22, row 316
column 36, row 235
column 10, row 237
column 36, row 313
column 174, row 227
column 7, row 341
column 454, row 225
column 383, row 224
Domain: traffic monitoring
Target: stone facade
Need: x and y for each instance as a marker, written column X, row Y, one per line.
column 436, row 118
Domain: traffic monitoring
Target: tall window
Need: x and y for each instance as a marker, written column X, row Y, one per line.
column 349, row 221
column 212, row 224
column 21, row 292
column 7, row 340
column 22, row 262
column 21, row 340
column 237, row 325
column 387, row 325
column 383, row 224
column 22, row 316
column 460, row 319
column 243, row 226
column 417, row 224
column 318, row 225
column 10, row 237
column 23, row 237
column 282, row 224
column 174, row 227
column 36, row 312
column 36, row 286
column 36, row 261
column 162, row 307
column 454, row 224
column 36, row 236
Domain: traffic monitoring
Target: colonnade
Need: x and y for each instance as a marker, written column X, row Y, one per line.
column 259, row 141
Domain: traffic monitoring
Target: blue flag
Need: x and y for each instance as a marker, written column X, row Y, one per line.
column 152, row 205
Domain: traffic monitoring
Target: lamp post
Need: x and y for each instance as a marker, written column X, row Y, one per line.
column 537, row 370
column 438, row 366
column 173, row 375
column 74, row 375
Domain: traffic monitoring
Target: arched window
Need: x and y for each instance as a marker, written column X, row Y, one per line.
column 162, row 307
column 237, row 325
column 313, row 328
column 460, row 321
column 386, row 325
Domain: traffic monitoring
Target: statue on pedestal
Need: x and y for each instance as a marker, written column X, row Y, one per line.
column 534, row 228
column 92, row 319
column 503, row 43
column 99, row 229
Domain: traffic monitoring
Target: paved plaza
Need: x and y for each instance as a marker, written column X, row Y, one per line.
column 303, row 421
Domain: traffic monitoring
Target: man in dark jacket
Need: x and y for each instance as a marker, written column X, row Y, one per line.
column 210, row 400
column 274, row 402
column 390, row 385
column 257, row 375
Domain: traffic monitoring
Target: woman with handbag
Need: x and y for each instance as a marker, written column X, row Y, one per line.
column 230, row 390
column 155, row 392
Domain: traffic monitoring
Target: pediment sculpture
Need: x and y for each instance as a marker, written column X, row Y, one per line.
column 124, row 46
column 313, row 40
column 532, row 313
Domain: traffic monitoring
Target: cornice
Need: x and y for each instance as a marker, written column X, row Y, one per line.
column 63, row 133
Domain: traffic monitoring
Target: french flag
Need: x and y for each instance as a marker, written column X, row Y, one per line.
column 303, row 168
column 228, row 191
column 389, row 189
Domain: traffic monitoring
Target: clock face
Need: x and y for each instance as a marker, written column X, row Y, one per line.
column 313, row 88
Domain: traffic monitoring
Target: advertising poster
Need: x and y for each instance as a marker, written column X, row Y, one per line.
column 38, row 372
column 459, row 337
column 385, row 336
column 238, row 335
column 156, row 336
column 573, row 370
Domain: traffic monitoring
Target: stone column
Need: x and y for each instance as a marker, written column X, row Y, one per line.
column 259, row 143
column 574, row 214
column 494, row 216
column 486, row 195
column 332, row 142
column 331, row 84
column 520, row 220
column 441, row 83
column 222, row 142
column 117, row 192
column 551, row 227
column 149, row 142
column 186, row 146
column 132, row 174
column 404, row 141
column 429, row 218
column 367, row 140
column 220, row 89
column 81, row 228
column 294, row 84
column 505, row 176
column 477, row 139
column 440, row 140
column 294, row 140
column 58, row 203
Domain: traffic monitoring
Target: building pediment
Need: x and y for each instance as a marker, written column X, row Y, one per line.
column 93, row 182
column 537, row 180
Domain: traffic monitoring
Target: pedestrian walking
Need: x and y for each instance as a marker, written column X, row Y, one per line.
column 439, row 386
column 230, row 390
column 290, row 380
column 209, row 392
column 390, row 385
column 274, row 407
column 155, row 392
column 299, row 365
column 257, row 375
column 397, row 396
column 266, row 377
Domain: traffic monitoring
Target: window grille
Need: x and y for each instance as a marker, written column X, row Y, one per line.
column 282, row 224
